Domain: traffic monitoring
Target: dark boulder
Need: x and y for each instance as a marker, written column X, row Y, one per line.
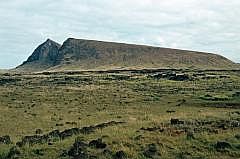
column 97, row 144
column 13, row 152
column 180, row 77
column 222, row 145
column 107, row 152
column 69, row 132
column 171, row 76
column 39, row 131
column 120, row 155
column 151, row 151
column 190, row 135
column 237, row 136
column 87, row 130
column 54, row 134
column 35, row 139
column 38, row 152
column 78, row 150
column 5, row 140
column 170, row 111
column 153, row 129
column 176, row 122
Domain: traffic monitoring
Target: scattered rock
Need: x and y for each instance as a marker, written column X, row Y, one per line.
column 107, row 152
column 151, row 151
column 153, row 129
column 5, row 140
column 56, row 134
column 171, row 76
column 13, row 152
column 60, row 124
column 71, row 123
column 170, row 111
column 39, row 131
column 182, row 101
column 38, row 152
column 78, row 150
column 4, row 81
column 138, row 137
column 222, row 145
column 180, row 77
column 97, row 144
column 190, row 135
column 236, row 112
column 120, row 155
column 237, row 136
column 176, row 122
column 236, row 94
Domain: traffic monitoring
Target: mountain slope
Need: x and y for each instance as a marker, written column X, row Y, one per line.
column 43, row 57
column 79, row 54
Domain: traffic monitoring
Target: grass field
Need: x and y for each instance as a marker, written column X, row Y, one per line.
column 120, row 114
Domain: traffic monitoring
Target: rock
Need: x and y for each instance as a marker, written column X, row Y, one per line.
column 13, row 152
column 97, row 144
column 78, row 150
column 64, row 153
column 60, row 124
column 153, row 129
column 107, row 152
column 69, row 132
column 170, row 111
column 236, row 94
column 35, row 139
column 38, row 152
column 151, row 151
column 237, row 136
column 176, row 122
column 222, row 145
column 171, row 76
column 43, row 57
column 120, row 155
column 180, row 77
column 190, row 135
column 39, row 131
column 54, row 134
column 5, row 140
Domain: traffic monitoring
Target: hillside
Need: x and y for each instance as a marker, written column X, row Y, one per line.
column 79, row 54
column 43, row 57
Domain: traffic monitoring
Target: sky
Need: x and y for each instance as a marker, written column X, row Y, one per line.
column 201, row 25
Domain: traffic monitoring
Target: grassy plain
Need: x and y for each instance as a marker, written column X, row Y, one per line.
column 194, row 118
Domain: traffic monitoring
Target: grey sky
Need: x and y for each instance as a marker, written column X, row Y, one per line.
column 203, row 25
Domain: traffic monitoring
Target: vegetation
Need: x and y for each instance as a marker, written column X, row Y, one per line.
column 120, row 114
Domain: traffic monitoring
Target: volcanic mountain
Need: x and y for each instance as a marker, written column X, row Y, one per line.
column 80, row 54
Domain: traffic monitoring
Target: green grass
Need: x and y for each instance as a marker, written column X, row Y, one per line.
column 47, row 101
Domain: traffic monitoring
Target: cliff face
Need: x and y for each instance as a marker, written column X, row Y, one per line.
column 43, row 57
column 46, row 52
column 79, row 54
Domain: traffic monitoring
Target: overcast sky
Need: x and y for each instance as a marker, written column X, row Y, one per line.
column 203, row 25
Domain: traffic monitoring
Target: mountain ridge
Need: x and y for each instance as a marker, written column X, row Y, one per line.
column 82, row 54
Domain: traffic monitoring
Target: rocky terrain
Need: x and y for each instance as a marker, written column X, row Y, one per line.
column 89, row 99
column 120, row 114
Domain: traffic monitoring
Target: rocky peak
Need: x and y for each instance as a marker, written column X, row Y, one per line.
column 47, row 51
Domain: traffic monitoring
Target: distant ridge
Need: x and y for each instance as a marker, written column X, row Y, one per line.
column 81, row 54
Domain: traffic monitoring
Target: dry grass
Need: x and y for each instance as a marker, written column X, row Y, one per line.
column 45, row 101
